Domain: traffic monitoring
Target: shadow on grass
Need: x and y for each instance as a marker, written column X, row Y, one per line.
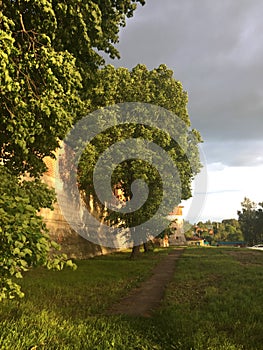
column 213, row 303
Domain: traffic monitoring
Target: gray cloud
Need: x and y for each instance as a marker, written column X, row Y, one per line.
column 215, row 49
column 234, row 153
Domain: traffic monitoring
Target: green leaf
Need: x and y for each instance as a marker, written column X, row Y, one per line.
column 18, row 275
column 16, row 251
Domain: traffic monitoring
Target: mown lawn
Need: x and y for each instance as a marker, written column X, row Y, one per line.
column 214, row 302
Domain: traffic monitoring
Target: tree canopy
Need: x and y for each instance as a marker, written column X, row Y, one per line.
column 212, row 232
column 250, row 218
column 49, row 52
column 157, row 87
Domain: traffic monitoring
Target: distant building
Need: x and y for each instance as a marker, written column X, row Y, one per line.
column 177, row 236
column 197, row 241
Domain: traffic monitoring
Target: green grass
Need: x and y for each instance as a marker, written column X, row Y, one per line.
column 213, row 303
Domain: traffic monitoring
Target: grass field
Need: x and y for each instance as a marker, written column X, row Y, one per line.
column 214, row 302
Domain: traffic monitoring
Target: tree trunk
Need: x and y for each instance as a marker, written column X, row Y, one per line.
column 135, row 251
column 146, row 247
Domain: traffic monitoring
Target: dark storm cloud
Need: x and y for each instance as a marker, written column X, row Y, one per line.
column 234, row 153
column 216, row 49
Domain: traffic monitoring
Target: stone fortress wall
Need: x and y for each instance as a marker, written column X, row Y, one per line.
column 73, row 244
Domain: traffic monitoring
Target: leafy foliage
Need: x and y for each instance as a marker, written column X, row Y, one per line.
column 48, row 54
column 24, row 239
column 38, row 96
column 227, row 230
column 157, row 87
column 47, row 57
column 251, row 221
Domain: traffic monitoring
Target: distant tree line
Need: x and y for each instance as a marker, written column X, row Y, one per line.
column 227, row 230
column 248, row 227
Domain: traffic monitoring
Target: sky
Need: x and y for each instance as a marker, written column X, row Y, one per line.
column 215, row 48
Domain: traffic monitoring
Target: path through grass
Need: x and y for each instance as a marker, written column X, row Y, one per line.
column 213, row 303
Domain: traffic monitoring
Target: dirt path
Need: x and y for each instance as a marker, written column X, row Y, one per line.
column 145, row 299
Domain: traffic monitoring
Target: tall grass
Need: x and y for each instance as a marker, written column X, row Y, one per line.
column 214, row 302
